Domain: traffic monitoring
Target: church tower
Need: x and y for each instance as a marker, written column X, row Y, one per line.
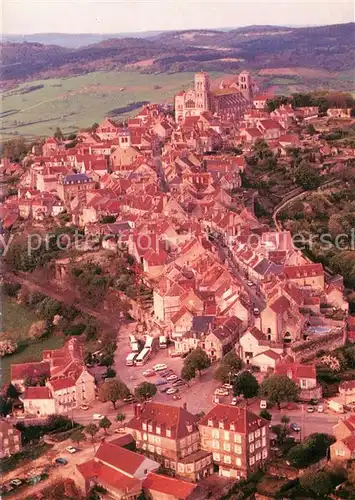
column 202, row 92
column 246, row 85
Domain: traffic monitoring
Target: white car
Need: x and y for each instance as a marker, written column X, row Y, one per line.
column 171, row 378
column 172, row 390
column 97, row 416
column 256, row 311
column 250, row 283
column 227, row 386
column 160, row 367
column 320, row 409
column 71, row 449
column 84, row 407
column 234, row 401
column 221, row 391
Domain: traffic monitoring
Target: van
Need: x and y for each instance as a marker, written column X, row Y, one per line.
column 263, row 404
column 336, row 405
column 97, row 416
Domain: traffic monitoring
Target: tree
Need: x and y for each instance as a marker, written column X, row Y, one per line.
column 198, row 360
column 319, row 483
column 188, row 372
column 110, row 373
column 229, row 366
column 7, row 347
column 78, row 436
column 58, row 134
column 94, row 127
column 307, row 176
column 279, row 389
column 92, row 430
column 265, row 414
column 12, row 392
column 105, row 424
column 245, row 384
column 145, row 391
column 281, row 432
column 37, row 329
column 121, row 417
column 113, row 390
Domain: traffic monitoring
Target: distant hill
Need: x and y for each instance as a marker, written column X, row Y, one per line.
column 329, row 48
column 73, row 40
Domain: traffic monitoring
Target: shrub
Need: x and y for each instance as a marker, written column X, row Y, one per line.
column 37, row 329
column 7, row 347
column 77, row 329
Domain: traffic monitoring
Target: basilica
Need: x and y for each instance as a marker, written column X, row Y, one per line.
column 229, row 101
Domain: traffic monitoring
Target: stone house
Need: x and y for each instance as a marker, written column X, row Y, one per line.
column 10, row 439
column 237, row 438
column 170, row 435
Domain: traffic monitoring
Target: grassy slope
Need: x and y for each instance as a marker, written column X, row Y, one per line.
column 80, row 101
column 16, row 322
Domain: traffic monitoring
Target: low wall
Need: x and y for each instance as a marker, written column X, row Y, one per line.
column 308, row 349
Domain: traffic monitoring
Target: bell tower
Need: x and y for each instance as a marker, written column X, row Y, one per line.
column 246, row 85
column 202, row 92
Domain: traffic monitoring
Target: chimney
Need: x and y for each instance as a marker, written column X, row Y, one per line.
column 138, row 409
column 185, row 406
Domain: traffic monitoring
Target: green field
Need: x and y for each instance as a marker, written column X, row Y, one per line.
column 16, row 322
column 78, row 102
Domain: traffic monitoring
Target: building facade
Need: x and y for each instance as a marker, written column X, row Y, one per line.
column 10, row 439
column 170, row 435
column 237, row 438
column 229, row 102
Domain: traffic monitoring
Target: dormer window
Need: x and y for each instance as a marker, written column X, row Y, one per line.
column 232, row 427
column 221, row 425
column 144, row 426
column 210, row 423
column 150, row 428
column 189, row 428
column 289, row 374
column 158, row 431
column 168, row 433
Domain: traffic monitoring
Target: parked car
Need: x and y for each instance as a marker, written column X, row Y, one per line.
column 172, row 390
column 84, row 407
column 295, row 427
column 234, row 401
column 149, row 373
column 172, row 377
column 250, row 283
column 221, row 391
column 263, row 404
column 97, row 416
column 120, row 430
column 176, row 354
column 129, row 399
column 71, row 449
column 176, row 396
column 310, row 409
column 161, row 381
column 178, row 382
column 256, row 311
column 164, row 389
column 160, row 367
column 16, row 483
column 227, row 386
column 320, row 409
column 166, row 373
column 61, row 461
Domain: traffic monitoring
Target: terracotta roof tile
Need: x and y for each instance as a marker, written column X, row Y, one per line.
column 169, row 486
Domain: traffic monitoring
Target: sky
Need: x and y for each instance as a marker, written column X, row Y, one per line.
column 117, row 16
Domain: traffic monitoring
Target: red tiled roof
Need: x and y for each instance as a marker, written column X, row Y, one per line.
column 280, row 305
column 119, row 458
column 62, row 383
column 169, row 486
column 37, row 393
column 107, row 475
column 347, row 385
column 173, row 418
column 270, row 354
column 21, row 371
column 307, row 270
column 244, row 420
column 296, row 369
column 350, row 442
